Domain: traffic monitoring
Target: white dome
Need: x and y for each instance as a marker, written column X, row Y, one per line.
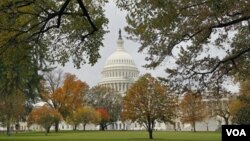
column 120, row 70
column 120, row 58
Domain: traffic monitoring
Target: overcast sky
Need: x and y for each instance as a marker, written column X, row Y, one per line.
column 92, row 74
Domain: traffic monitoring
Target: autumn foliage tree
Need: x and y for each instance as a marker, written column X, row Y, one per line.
column 70, row 96
column 52, row 81
column 44, row 116
column 104, row 118
column 88, row 115
column 147, row 102
column 192, row 108
column 83, row 115
column 100, row 97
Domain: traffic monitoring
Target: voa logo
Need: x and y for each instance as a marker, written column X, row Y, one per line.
column 236, row 132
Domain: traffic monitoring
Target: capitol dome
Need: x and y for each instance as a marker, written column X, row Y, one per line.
column 120, row 70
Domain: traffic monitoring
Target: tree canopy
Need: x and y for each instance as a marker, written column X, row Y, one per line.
column 11, row 108
column 57, row 30
column 147, row 102
column 208, row 39
column 44, row 116
column 240, row 107
column 192, row 109
column 70, row 96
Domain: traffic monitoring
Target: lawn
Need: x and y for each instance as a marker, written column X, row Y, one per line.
column 114, row 136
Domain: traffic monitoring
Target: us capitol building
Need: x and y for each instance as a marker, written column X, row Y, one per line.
column 120, row 71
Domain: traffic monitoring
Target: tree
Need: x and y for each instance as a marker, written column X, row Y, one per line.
column 44, row 116
column 240, row 107
column 11, row 109
column 18, row 84
column 192, row 108
column 104, row 118
column 35, row 34
column 83, row 115
column 73, row 119
column 207, row 39
column 52, row 81
column 88, row 115
column 222, row 109
column 70, row 96
column 56, row 30
column 101, row 97
column 148, row 102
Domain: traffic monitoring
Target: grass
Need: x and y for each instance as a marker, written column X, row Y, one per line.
column 113, row 136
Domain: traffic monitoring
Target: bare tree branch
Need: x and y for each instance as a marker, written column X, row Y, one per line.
column 228, row 59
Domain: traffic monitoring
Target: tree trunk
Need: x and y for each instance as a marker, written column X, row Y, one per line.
column 194, row 126
column 150, row 129
column 56, row 126
column 150, row 133
column 84, row 125
column 207, row 127
column 47, row 131
column 8, row 128
column 74, row 127
column 102, row 127
column 226, row 121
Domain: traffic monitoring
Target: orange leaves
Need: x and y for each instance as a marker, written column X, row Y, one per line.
column 38, row 115
column 69, row 97
column 44, row 116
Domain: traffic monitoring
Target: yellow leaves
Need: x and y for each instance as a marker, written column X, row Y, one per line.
column 192, row 108
column 235, row 105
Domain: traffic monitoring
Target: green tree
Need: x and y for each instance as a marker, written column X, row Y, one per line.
column 192, row 109
column 57, row 30
column 148, row 102
column 100, row 97
column 35, row 34
column 241, row 106
column 191, row 33
column 11, row 109
column 18, row 76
